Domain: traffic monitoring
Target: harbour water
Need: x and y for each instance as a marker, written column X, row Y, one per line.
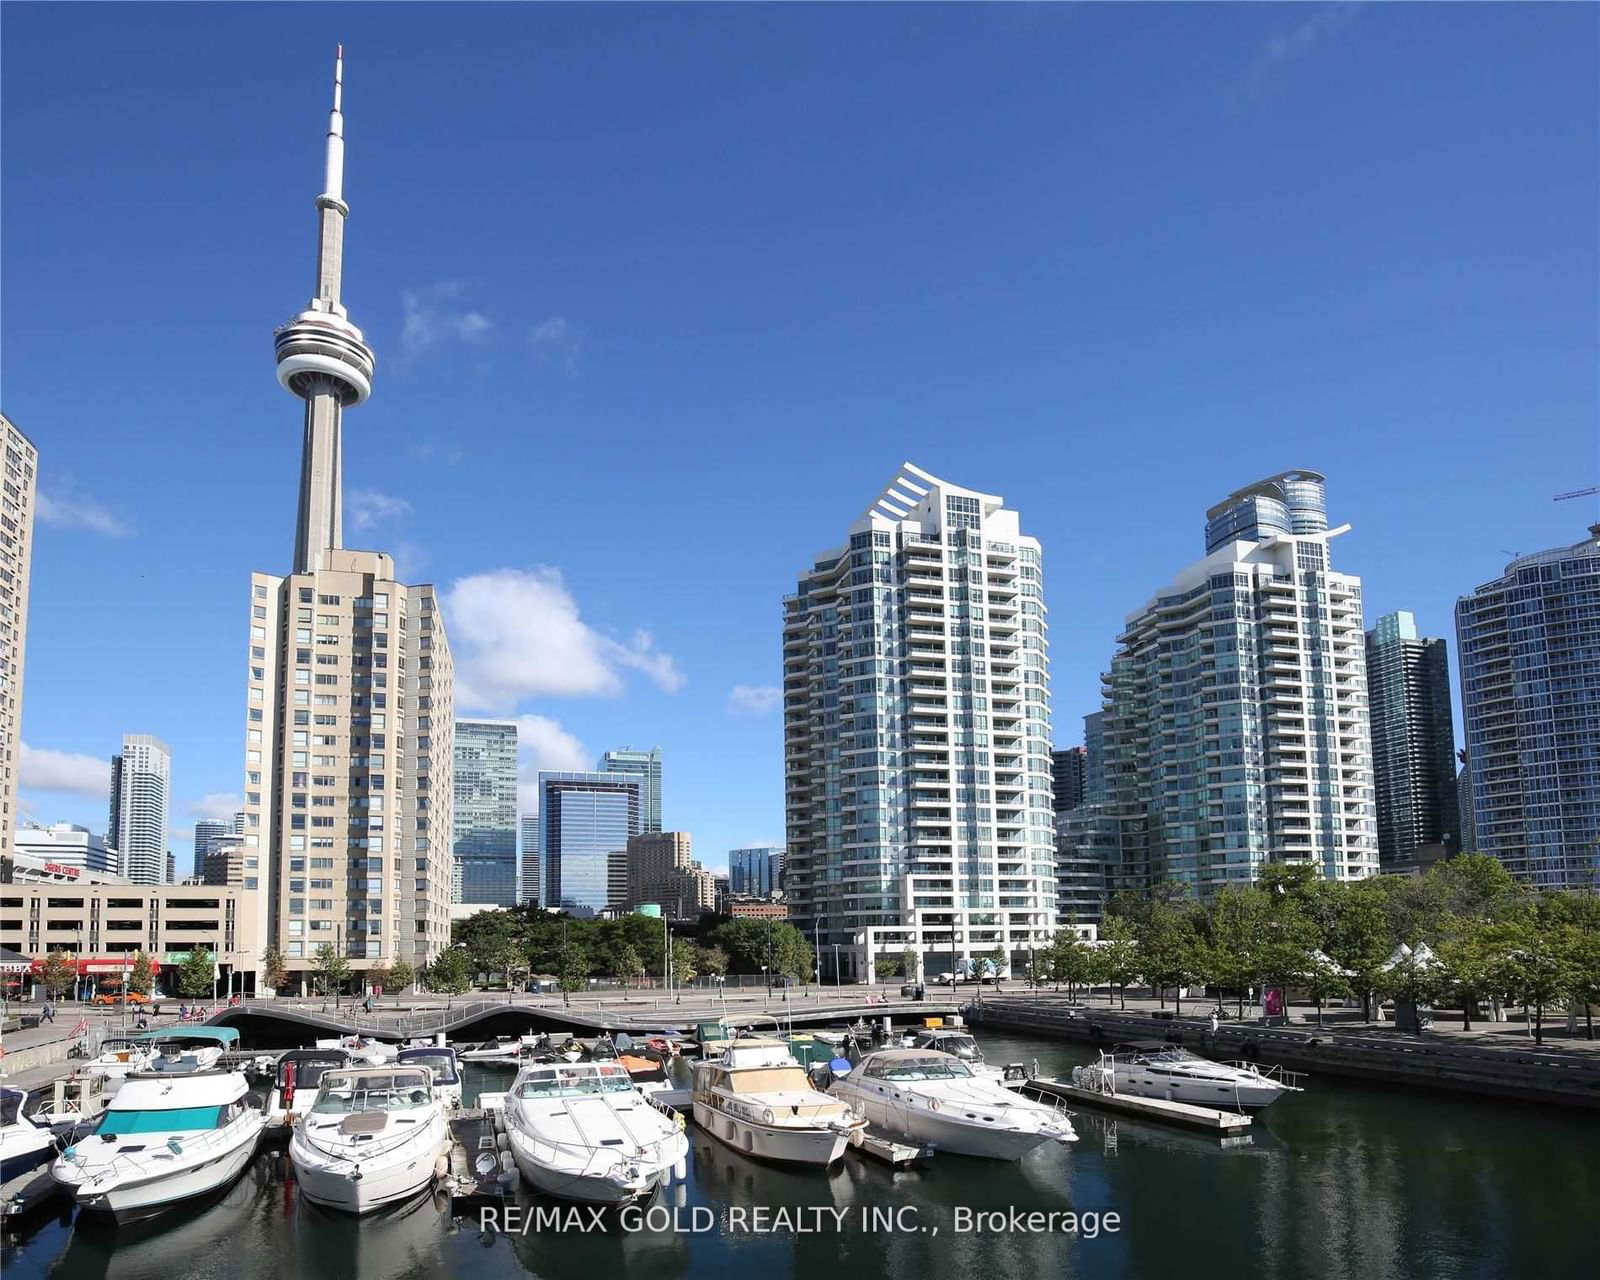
column 1342, row 1181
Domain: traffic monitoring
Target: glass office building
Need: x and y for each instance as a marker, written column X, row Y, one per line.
column 1529, row 644
column 755, row 872
column 583, row 819
column 647, row 764
column 1413, row 741
column 485, row 826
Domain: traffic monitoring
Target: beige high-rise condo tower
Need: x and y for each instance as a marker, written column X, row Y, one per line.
column 350, row 706
column 16, row 554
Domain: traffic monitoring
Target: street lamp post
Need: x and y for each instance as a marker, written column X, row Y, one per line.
column 838, row 980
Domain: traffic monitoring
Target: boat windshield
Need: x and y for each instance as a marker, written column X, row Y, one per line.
column 961, row 1045
column 378, row 1091
column 442, row 1064
column 308, row 1071
column 174, row 1120
column 10, row 1106
column 930, row 1068
column 575, row 1081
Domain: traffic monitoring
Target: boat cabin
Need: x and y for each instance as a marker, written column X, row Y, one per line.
column 353, row 1091
column 437, row 1058
column 573, row 1080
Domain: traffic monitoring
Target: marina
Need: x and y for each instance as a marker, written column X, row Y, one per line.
column 1167, row 1181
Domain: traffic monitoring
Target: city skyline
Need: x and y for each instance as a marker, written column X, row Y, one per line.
column 719, row 725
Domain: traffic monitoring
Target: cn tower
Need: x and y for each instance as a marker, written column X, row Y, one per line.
column 323, row 359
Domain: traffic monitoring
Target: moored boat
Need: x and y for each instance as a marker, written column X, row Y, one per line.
column 295, row 1083
column 441, row 1060
column 583, row 1131
column 931, row 1097
column 28, row 1146
column 166, row 1138
column 1153, row 1069
column 373, row 1137
column 757, row 1099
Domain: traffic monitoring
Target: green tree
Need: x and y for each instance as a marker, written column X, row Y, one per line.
column 627, row 963
column 399, row 976
column 273, row 968
column 330, row 969
column 996, row 961
column 1539, row 968
column 1119, row 953
column 451, row 973
column 197, row 975
column 1359, row 938
column 1323, row 981
column 572, row 970
column 1039, row 968
column 59, row 973
column 511, row 958
column 139, row 973
column 1583, row 964
column 1069, row 960
column 682, row 959
column 1472, row 959
column 889, row 965
column 712, row 960
column 1169, row 948
column 908, row 964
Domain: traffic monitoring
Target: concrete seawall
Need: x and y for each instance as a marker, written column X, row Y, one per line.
column 1530, row 1074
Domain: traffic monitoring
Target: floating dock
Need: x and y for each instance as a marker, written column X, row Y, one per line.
column 1223, row 1124
column 888, row 1148
column 481, row 1171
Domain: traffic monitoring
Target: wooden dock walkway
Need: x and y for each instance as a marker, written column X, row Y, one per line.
column 1224, row 1124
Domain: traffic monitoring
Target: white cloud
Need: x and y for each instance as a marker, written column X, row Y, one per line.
column 221, row 805
column 517, row 634
column 430, row 318
column 556, row 337
column 368, row 507
column 754, row 699
column 1267, row 73
column 552, row 330
column 76, row 511
column 46, row 770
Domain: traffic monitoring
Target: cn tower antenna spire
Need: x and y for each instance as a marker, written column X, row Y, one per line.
column 323, row 359
column 333, row 186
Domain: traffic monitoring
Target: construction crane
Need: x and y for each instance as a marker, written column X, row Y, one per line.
column 1578, row 493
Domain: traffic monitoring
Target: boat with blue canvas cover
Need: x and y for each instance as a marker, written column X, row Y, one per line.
column 167, row 1137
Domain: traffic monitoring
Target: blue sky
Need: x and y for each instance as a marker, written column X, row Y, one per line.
column 663, row 295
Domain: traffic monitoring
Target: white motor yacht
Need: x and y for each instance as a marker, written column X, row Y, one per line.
column 374, row 1136
column 1151, row 1069
column 958, row 1043
column 118, row 1055
column 361, row 1049
column 167, row 1137
column 28, row 1146
column 934, row 1098
column 295, row 1083
column 756, row 1099
column 184, row 1050
column 581, row 1130
column 441, row 1060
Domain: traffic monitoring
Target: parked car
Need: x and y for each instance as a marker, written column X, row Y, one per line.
column 116, row 997
column 946, row 979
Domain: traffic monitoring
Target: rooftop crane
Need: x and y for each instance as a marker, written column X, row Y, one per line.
column 1578, row 493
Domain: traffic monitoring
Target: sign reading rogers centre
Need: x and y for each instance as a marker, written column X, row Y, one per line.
column 56, row 868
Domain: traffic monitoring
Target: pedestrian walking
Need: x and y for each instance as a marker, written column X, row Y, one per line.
column 49, row 1014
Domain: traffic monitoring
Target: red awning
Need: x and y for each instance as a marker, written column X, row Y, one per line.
column 97, row 964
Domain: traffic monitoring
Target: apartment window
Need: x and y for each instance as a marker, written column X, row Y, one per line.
column 322, row 904
column 302, row 698
column 305, row 595
column 297, row 926
column 258, row 633
column 261, row 592
column 295, row 949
